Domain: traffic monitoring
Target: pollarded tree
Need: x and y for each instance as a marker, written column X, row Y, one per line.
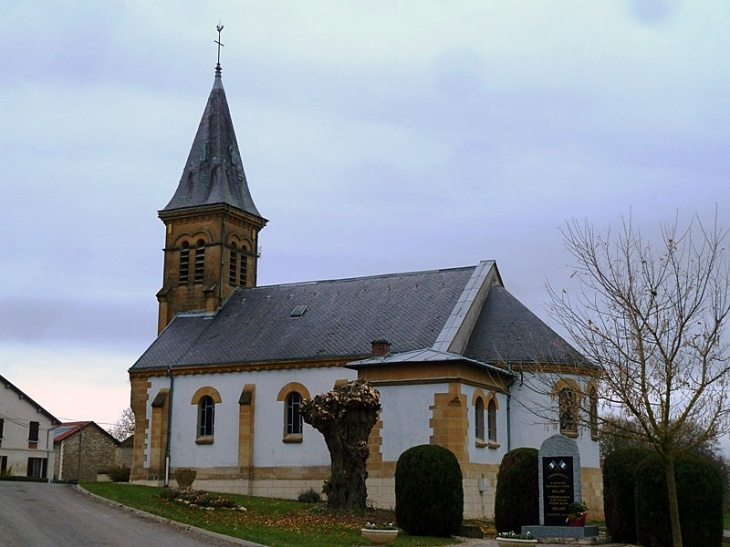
column 652, row 318
column 345, row 416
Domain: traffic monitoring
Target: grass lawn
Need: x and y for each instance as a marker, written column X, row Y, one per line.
column 273, row 522
column 726, row 522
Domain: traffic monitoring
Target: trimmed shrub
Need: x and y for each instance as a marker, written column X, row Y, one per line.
column 429, row 494
column 699, row 494
column 517, row 499
column 619, row 485
column 309, row 496
column 119, row 474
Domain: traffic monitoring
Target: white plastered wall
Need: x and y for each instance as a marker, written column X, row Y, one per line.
column 269, row 448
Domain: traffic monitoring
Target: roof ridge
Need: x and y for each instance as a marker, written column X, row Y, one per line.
column 452, row 338
column 357, row 278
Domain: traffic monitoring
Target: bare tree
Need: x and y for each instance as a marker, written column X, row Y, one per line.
column 651, row 317
column 124, row 426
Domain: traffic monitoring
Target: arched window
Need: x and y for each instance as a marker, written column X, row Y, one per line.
column 593, row 401
column 479, row 418
column 293, row 417
column 206, row 416
column 199, row 260
column 568, row 409
column 233, row 267
column 291, row 396
column 492, row 420
column 184, row 270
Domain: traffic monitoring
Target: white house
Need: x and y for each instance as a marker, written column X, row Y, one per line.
column 26, row 440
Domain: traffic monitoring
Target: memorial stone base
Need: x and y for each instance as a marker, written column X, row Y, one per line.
column 561, row 531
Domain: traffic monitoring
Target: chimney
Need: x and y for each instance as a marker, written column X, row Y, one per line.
column 380, row 347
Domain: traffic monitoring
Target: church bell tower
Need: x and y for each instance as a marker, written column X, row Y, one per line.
column 211, row 222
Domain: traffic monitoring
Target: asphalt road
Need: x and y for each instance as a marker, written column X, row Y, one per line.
column 57, row 515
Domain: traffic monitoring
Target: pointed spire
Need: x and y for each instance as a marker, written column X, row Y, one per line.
column 213, row 173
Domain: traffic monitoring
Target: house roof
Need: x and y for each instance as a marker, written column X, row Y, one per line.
column 67, row 429
column 458, row 313
column 213, row 173
column 9, row 385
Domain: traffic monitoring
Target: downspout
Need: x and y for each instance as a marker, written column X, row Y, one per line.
column 62, row 446
column 50, row 453
column 509, row 409
column 169, row 427
column 78, row 463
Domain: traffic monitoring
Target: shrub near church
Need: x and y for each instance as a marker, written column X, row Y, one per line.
column 429, row 495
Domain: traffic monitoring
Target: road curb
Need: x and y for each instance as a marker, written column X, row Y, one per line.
column 194, row 529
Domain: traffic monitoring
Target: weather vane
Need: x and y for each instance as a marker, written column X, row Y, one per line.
column 219, row 28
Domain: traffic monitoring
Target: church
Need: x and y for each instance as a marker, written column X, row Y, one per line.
column 448, row 350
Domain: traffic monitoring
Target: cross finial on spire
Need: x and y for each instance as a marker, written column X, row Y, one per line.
column 219, row 28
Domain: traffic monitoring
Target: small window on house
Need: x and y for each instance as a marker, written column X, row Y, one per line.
column 3, row 465
column 2, row 428
column 206, row 417
column 184, row 273
column 33, row 435
column 479, row 419
column 233, row 266
column 593, row 401
column 568, row 409
column 492, row 420
column 37, row 467
column 293, row 425
column 199, row 261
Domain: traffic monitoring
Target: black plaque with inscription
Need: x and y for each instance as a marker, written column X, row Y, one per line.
column 557, row 488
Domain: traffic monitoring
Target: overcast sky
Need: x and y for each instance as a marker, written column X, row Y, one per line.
column 378, row 136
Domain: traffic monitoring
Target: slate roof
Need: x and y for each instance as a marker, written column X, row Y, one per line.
column 507, row 332
column 213, row 173
column 342, row 317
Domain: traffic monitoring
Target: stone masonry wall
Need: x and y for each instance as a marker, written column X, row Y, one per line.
column 85, row 453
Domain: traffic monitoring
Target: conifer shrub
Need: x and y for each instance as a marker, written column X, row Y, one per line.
column 517, row 499
column 699, row 494
column 119, row 473
column 619, row 484
column 429, row 494
column 309, row 496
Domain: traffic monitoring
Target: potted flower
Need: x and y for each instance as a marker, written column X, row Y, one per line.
column 185, row 477
column 577, row 513
column 510, row 539
column 379, row 534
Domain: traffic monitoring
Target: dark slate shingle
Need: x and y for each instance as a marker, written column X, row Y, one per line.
column 341, row 319
column 507, row 331
column 213, row 173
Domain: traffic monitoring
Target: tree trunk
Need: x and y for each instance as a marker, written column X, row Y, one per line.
column 347, row 444
column 345, row 416
column 673, row 503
